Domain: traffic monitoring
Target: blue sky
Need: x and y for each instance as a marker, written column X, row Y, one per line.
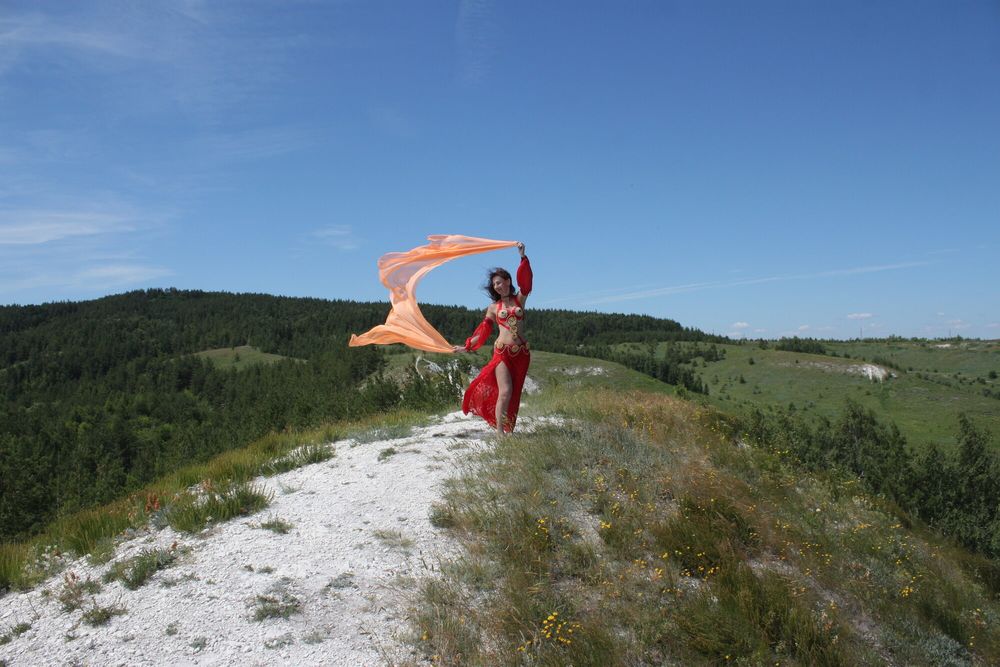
column 757, row 169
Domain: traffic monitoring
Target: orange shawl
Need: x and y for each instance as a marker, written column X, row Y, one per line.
column 400, row 272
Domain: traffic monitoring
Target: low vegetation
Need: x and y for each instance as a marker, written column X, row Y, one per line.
column 648, row 531
column 136, row 571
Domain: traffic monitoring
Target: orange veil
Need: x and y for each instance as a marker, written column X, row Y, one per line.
column 400, row 272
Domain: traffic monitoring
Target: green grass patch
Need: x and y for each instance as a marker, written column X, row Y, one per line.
column 276, row 525
column 98, row 615
column 136, row 571
column 193, row 512
column 241, row 357
column 932, row 385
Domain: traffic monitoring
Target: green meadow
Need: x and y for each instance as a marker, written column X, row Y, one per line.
column 928, row 387
column 240, row 357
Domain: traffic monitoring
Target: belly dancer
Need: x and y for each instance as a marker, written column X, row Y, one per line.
column 495, row 394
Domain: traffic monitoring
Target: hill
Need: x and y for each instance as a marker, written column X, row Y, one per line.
column 624, row 527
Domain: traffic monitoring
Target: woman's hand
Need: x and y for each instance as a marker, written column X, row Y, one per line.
column 520, row 248
column 458, row 348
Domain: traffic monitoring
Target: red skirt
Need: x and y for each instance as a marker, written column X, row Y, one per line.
column 481, row 396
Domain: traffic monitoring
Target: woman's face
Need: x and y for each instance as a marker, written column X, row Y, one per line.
column 501, row 286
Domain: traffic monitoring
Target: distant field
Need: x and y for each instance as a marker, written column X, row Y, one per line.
column 931, row 387
column 240, row 357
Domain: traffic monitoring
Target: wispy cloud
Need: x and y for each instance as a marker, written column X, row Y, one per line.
column 691, row 287
column 200, row 59
column 338, row 236
column 29, row 227
column 740, row 325
column 859, row 316
column 90, row 247
column 102, row 277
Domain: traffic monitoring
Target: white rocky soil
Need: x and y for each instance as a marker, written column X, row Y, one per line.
column 359, row 543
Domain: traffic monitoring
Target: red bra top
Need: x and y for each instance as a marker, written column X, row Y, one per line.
column 507, row 317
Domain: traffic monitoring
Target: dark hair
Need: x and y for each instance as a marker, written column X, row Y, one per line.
column 503, row 273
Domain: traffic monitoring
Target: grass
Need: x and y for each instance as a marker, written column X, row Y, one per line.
column 303, row 456
column 71, row 594
column 240, row 357
column 393, row 539
column 277, row 525
column 193, row 512
column 641, row 533
column 277, row 603
column 136, row 571
column 387, row 453
column 932, row 385
column 98, row 615
column 14, row 631
column 380, row 433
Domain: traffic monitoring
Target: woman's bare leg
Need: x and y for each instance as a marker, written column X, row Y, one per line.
column 503, row 394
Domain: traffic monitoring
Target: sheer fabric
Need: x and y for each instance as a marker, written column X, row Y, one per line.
column 400, row 272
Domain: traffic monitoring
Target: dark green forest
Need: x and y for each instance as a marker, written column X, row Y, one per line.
column 103, row 396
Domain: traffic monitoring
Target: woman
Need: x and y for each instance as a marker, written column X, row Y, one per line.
column 495, row 394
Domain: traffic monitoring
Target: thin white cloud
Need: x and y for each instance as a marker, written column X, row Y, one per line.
column 338, row 236
column 859, row 316
column 678, row 289
column 37, row 227
column 82, row 281
column 740, row 325
column 82, row 249
column 804, row 327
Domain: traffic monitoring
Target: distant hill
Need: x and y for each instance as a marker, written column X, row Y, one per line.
column 102, row 396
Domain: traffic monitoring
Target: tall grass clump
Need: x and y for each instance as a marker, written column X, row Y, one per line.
column 136, row 571
column 192, row 513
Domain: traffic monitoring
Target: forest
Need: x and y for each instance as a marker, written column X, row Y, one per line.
column 101, row 397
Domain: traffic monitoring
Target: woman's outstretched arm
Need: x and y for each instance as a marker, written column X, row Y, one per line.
column 478, row 337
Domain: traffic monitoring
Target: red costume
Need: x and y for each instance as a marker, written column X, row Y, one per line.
column 481, row 396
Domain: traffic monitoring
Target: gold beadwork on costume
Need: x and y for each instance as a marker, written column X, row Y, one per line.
column 513, row 348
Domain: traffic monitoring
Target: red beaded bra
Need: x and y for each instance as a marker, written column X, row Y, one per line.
column 510, row 317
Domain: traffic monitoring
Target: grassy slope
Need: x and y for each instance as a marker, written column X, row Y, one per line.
column 641, row 533
column 926, row 410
